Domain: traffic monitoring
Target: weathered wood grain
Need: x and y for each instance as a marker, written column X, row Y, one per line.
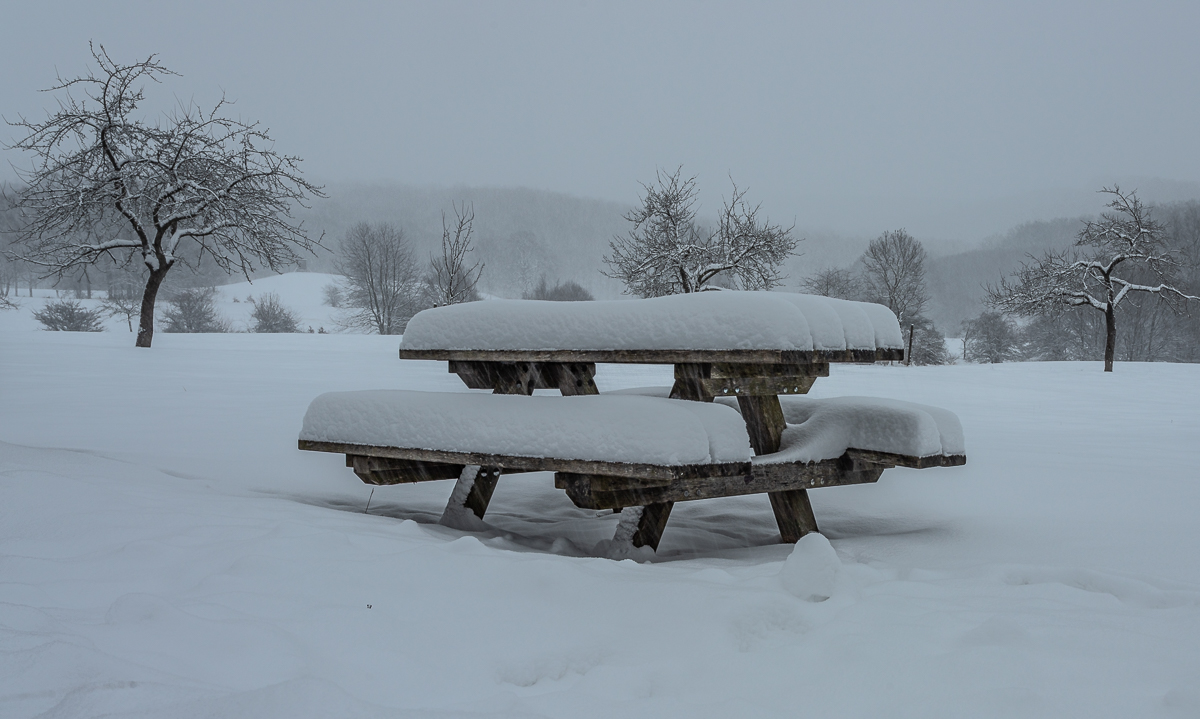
column 793, row 514
column 599, row 492
column 383, row 471
column 903, row 460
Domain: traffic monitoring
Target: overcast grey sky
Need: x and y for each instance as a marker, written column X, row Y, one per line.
column 857, row 117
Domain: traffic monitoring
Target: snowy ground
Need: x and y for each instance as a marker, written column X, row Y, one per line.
column 166, row 551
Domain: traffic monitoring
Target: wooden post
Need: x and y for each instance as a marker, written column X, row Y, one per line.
column 793, row 514
column 765, row 424
column 908, row 354
column 651, row 525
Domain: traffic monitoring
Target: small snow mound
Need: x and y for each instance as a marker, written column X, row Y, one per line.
column 811, row 570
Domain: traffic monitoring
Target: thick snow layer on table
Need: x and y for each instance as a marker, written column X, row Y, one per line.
column 820, row 429
column 165, row 551
column 599, row 428
column 699, row 321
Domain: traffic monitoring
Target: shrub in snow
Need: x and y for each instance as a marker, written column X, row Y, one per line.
column 69, row 316
column 569, row 291
column 334, row 296
column 194, row 310
column 271, row 316
column 811, row 569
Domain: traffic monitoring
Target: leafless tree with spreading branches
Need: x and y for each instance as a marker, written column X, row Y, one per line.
column 1125, row 239
column 667, row 252
column 106, row 183
column 894, row 274
column 382, row 287
column 452, row 281
column 834, row 282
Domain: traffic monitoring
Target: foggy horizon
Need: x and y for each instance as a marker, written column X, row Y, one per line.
column 956, row 123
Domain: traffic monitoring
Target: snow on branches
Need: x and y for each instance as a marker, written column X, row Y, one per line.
column 668, row 252
column 1126, row 239
column 109, row 184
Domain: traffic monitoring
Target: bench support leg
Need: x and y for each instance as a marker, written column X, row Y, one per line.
column 473, row 492
column 793, row 514
column 481, row 490
column 650, row 522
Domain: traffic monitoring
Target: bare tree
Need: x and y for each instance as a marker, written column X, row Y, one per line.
column 894, row 274
column 1125, row 239
column 667, row 252
column 122, row 300
column 106, row 183
column 382, row 282
column 991, row 337
column 452, row 281
column 834, row 282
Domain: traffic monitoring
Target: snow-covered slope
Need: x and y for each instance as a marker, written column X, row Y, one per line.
column 165, row 551
column 300, row 292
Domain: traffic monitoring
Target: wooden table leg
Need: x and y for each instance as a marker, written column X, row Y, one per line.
column 506, row 378
column 765, row 424
column 481, row 490
column 651, row 520
column 793, row 514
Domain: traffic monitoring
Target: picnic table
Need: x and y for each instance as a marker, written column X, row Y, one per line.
column 741, row 349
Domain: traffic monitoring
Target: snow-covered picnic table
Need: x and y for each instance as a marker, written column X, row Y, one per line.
column 735, row 354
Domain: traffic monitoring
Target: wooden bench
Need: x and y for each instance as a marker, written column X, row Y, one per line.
column 718, row 462
column 748, row 348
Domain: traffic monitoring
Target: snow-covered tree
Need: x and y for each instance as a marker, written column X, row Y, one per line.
column 107, row 183
column 667, row 252
column 1098, row 271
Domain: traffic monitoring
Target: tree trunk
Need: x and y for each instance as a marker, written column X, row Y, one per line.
column 146, row 324
column 1110, row 339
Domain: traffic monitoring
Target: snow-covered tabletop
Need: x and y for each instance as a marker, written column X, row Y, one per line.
column 794, row 327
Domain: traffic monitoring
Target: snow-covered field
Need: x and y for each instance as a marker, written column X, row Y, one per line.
column 165, row 551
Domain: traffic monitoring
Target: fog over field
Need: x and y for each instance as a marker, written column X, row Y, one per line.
column 953, row 122
column 874, row 240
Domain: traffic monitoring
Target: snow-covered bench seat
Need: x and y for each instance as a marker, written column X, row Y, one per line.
column 775, row 327
column 637, row 437
column 624, row 449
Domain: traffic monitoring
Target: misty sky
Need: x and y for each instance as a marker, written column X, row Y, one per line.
column 854, row 117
